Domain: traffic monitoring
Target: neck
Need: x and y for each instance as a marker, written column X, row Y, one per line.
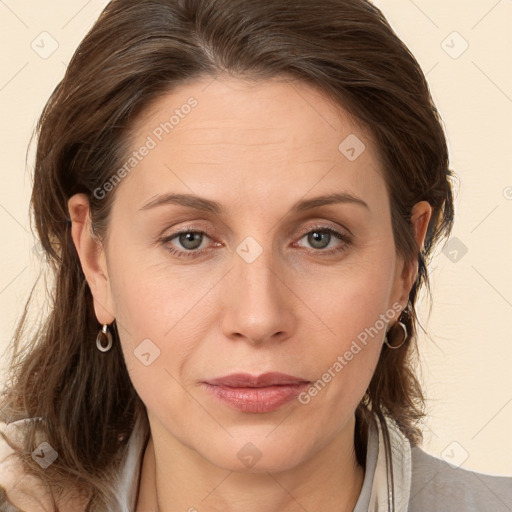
column 175, row 478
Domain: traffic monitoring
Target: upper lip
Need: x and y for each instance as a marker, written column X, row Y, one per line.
column 245, row 380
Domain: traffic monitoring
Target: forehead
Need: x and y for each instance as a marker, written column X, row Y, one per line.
column 238, row 111
column 230, row 136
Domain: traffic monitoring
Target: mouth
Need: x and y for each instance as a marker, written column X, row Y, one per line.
column 256, row 393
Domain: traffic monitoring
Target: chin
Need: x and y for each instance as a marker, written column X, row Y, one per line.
column 257, row 454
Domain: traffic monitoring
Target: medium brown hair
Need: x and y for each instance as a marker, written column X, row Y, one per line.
column 137, row 51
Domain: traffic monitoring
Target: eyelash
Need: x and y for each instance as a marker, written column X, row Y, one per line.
column 194, row 253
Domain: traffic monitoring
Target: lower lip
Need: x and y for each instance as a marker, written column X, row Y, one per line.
column 265, row 399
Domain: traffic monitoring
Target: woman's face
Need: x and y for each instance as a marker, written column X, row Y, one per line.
column 260, row 284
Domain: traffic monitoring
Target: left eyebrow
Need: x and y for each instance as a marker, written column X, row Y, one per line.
column 339, row 197
column 208, row 205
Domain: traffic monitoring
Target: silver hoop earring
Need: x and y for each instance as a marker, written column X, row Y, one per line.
column 104, row 333
column 404, row 329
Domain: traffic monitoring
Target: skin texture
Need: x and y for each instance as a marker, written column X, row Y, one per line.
column 257, row 148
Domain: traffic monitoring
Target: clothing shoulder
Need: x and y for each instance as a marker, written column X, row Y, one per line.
column 438, row 486
column 19, row 491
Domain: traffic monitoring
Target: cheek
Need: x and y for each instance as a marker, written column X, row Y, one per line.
column 345, row 361
column 349, row 297
column 168, row 318
column 161, row 319
column 352, row 309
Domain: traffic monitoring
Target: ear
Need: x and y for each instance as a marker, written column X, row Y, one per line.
column 92, row 257
column 420, row 217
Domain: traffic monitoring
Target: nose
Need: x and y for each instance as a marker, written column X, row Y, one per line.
column 259, row 302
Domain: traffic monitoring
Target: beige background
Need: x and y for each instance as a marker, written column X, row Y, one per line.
column 467, row 355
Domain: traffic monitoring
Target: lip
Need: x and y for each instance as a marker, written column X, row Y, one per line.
column 256, row 393
column 246, row 380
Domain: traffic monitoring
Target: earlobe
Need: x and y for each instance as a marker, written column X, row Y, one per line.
column 92, row 257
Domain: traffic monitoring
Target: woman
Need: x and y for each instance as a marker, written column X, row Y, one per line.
column 239, row 201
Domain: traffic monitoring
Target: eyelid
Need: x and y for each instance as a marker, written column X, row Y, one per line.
column 194, row 228
column 345, row 240
column 325, row 225
column 307, row 229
